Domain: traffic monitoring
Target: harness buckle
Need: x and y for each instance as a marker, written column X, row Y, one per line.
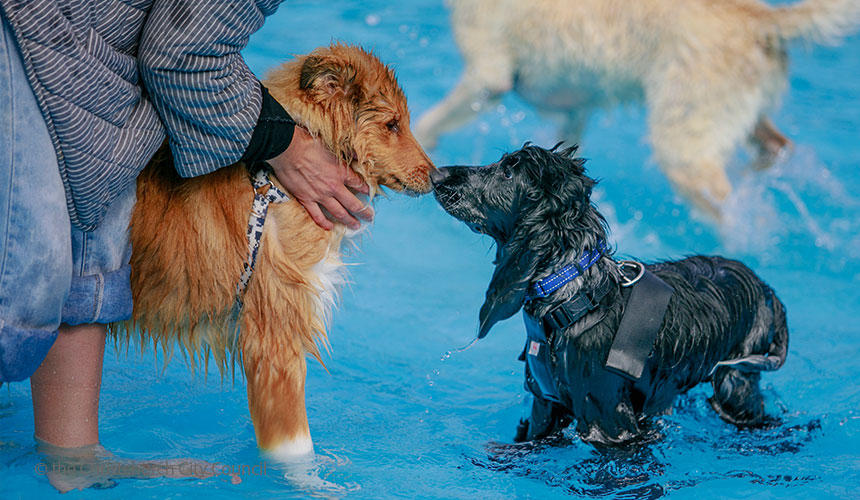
column 631, row 264
column 558, row 318
column 264, row 189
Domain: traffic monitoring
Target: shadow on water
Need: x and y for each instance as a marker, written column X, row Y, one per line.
column 654, row 467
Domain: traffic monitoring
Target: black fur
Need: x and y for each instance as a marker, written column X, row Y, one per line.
column 535, row 203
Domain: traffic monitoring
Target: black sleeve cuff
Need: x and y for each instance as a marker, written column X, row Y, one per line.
column 273, row 133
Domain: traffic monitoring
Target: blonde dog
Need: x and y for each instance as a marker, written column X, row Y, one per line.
column 707, row 70
column 189, row 242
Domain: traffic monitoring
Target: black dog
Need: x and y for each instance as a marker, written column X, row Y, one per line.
column 684, row 322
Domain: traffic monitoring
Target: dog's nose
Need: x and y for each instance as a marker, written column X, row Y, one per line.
column 439, row 175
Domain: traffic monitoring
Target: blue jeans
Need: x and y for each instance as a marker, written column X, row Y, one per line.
column 50, row 271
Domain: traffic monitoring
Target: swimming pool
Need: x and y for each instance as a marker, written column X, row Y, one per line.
column 395, row 417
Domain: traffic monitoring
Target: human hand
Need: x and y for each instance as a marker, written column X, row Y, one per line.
column 313, row 175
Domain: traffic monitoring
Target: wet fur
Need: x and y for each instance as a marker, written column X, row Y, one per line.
column 189, row 241
column 708, row 72
column 535, row 204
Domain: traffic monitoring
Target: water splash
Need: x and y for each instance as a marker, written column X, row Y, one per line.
column 458, row 350
column 316, row 476
column 797, row 200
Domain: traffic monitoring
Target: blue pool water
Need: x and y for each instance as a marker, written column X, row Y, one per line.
column 395, row 417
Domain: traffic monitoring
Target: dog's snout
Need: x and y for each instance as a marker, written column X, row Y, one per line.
column 438, row 176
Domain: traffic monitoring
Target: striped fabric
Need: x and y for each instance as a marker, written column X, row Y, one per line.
column 113, row 76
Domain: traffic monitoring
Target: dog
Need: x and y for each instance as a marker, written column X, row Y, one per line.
column 190, row 240
column 718, row 321
column 708, row 72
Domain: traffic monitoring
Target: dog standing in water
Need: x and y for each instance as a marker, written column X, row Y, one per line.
column 190, row 240
column 609, row 344
column 708, row 72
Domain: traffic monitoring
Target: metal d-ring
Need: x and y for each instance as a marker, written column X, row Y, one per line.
column 631, row 264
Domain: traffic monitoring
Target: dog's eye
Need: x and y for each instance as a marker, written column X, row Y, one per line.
column 508, row 165
column 393, row 125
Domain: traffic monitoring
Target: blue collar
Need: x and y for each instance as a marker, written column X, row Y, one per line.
column 545, row 286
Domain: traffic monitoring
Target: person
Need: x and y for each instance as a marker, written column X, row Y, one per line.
column 90, row 90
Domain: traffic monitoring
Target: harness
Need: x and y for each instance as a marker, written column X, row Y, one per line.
column 265, row 192
column 633, row 341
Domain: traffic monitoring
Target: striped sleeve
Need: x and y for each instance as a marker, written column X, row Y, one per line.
column 191, row 66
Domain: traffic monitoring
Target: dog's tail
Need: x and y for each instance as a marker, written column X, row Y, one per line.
column 820, row 21
column 774, row 358
column 779, row 345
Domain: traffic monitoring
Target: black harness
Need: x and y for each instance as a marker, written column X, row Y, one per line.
column 646, row 305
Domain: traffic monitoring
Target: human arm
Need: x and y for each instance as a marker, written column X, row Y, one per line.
column 217, row 113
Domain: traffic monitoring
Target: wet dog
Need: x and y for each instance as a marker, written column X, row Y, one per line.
column 718, row 321
column 708, row 72
column 190, row 240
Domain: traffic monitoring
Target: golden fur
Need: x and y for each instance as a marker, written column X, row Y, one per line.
column 707, row 70
column 189, row 242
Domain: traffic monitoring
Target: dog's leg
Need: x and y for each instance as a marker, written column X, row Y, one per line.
column 692, row 153
column 276, row 394
column 703, row 183
column 546, row 418
column 468, row 98
column 770, row 142
column 737, row 397
column 573, row 126
column 696, row 126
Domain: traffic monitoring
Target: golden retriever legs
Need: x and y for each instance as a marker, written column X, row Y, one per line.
column 573, row 126
column 706, row 186
column 695, row 125
column 276, row 398
column 771, row 143
column 697, row 169
column 273, row 356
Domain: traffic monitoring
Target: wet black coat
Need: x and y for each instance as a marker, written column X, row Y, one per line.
column 535, row 203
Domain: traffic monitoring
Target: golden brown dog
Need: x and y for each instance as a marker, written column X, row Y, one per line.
column 707, row 70
column 189, row 241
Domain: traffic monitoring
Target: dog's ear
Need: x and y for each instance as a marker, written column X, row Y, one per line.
column 325, row 77
column 507, row 289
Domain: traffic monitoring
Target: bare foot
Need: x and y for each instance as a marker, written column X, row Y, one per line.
column 93, row 466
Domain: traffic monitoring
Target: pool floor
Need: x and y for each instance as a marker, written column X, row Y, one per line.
column 393, row 416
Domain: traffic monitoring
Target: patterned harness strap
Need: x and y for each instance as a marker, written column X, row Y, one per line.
column 265, row 192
